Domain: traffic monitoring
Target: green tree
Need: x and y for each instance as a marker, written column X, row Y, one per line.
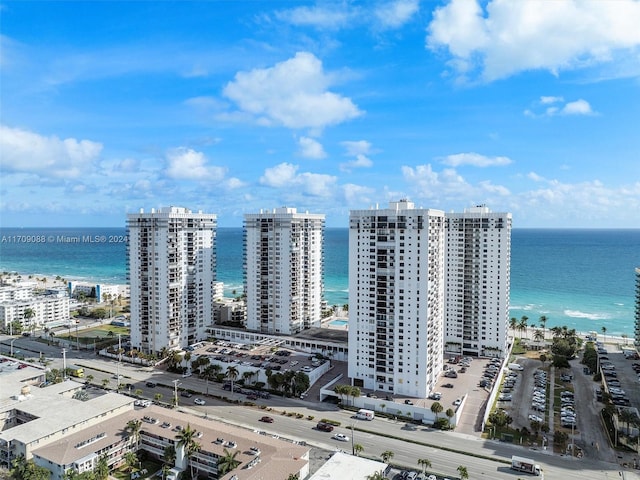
column 538, row 335
column 170, row 454
column 131, row 460
column 462, row 471
column 105, row 382
column 522, row 324
column 424, row 463
column 386, row 456
column 604, row 334
column 227, row 462
column 134, row 427
column 157, row 397
column 376, row 476
column 357, row 448
column 436, row 408
column 232, row 375
column 355, row 393
column 187, row 439
column 101, row 471
column 513, row 324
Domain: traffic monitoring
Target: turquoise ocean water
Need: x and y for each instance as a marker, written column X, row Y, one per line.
column 583, row 279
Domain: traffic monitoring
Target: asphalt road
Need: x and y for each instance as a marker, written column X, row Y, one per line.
column 441, row 448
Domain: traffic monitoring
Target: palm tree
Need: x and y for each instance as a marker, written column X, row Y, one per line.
column 538, row 335
column 228, row 462
column 101, row 471
column 186, row 439
column 513, row 324
column 130, row 459
column 543, row 323
column 355, row 393
column 436, row 408
column 170, row 454
column 105, row 382
column 357, row 448
column 604, row 334
column 165, row 470
column 232, row 375
column 157, row 397
column 90, row 378
column 556, row 331
column 386, row 456
column 28, row 314
column 424, row 463
column 449, row 413
column 134, row 427
column 376, row 476
column 522, row 325
column 462, row 471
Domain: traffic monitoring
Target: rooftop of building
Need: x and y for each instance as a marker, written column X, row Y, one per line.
column 324, row 334
column 348, row 467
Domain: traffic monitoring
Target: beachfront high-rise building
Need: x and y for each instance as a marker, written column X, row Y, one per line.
column 172, row 270
column 477, row 287
column 637, row 325
column 396, row 298
column 283, row 270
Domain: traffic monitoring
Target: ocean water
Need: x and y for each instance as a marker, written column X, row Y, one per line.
column 584, row 279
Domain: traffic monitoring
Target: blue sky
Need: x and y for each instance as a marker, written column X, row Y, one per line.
column 233, row 106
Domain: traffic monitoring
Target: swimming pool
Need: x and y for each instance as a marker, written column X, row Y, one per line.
column 338, row 323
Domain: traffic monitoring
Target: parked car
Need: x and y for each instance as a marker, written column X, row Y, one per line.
column 199, row 401
column 266, row 419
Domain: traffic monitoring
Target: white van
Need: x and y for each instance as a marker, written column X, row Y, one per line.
column 515, row 366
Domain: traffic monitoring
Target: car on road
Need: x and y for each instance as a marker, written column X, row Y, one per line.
column 325, row 427
column 448, row 385
column 341, row 437
column 186, row 375
column 457, row 402
column 408, row 402
column 435, row 396
column 151, row 384
column 199, row 401
column 186, row 394
column 266, row 419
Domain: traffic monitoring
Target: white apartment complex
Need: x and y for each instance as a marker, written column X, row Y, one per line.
column 396, row 298
column 637, row 310
column 32, row 309
column 477, row 286
column 283, row 270
column 172, row 270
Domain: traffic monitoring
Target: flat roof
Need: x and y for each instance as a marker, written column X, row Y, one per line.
column 325, row 334
column 348, row 467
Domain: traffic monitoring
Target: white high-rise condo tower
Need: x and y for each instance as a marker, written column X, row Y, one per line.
column 477, row 287
column 283, row 270
column 172, row 270
column 637, row 320
column 396, row 298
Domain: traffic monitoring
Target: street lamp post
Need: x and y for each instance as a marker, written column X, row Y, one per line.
column 118, row 363
column 175, row 392
column 11, row 348
column 353, row 450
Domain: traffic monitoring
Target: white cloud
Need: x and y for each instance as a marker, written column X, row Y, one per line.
column 577, row 107
column 357, row 194
column 476, row 160
column 396, row 13
column 317, row 16
column 233, row 183
column 286, row 175
column 504, row 37
column 187, row 164
column 310, row 148
column 361, row 161
column 356, row 147
column 292, row 93
column 25, row 151
column 535, row 177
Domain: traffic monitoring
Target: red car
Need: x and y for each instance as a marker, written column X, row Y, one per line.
column 266, row 419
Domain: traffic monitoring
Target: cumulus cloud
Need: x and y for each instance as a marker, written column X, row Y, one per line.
column 502, row 38
column 310, row 148
column 359, row 150
column 557, row 106
column 293, row 93
column 476, row 160
column 187, row 164
column 286, row 175
column 29, row 152
column 395, row 14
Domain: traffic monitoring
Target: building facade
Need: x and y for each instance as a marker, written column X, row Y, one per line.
column 477, row 286
column 396, row 298
column 637, row 325
column 283, row 274
column 172, row 270
column 32, row 308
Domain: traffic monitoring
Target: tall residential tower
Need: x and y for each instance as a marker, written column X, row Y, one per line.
column 172, row 265
column 477, row 287
column 396, row 298
column 283, row 270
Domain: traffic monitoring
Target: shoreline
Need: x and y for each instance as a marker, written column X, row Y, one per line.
column 58, row 281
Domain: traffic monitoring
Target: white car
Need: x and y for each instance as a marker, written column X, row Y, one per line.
column 186, row 375
column 535, row 418
column 198, row 401
column 341, row 437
